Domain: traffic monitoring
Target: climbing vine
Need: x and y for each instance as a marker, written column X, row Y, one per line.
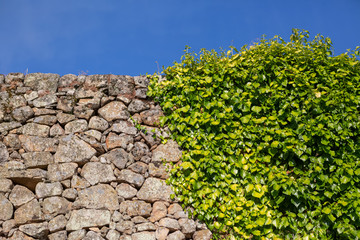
column 270, row 136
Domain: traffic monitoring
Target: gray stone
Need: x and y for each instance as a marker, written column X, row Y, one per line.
column 46, row 119
column 158, row 172
column 17, row 235
column 7, row 126
column 83, row 111
column 161, row 233
column 202, row 235
column 188, row 226
column 154, row 189
column 94, row 133
column 31, row 96
column 61, row 235
column 113, row 235
column 124, row 127
column 98, row 123
column 42, row 81
column 60, row 172
column 6, row 208
column 73, row 149
column 43, row 190
column 34, row 129
column 151, row 117
column 70, row 194
column 64, row 118
column 38, row 144
column 37, row 159
column 66, row 104
column 17, row 101
column 79, row 182
column 12, row 141
column 4, row 154
column 126, row 191
column 129, row 176
column 5, row 185
column 56, row 205
column 20, row 195
column 93, row 103
column 93, row 236
column 169, row 152
column 85, row 218
column 8, row 225
column 141, row 81
column 139, row 167
column 101, row 196
column 169, row 223
column 57, row 223
column 28, row 213
column 137, row 105
column 68, row 82
column 143, row 236
column 96, row 172
column 114, row 141
column 174, row 208
column 77, row 235
column 140, row 149
column 135, row 208
column 145, row 227
column 126, row 227
column 76, row 126
column 113, row 111
column 36, row 230
column 141, row 93
column 23, row 113
column 56, row 130
column 45, row 101
column 119, row 157
column 44, row 111
column 176, row 236
column 159, row 211
column 121, row 85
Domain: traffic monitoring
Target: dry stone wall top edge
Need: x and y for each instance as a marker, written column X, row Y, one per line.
column 74, row 166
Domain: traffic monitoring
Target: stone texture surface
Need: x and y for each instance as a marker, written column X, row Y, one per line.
column 6, row 208
column 96, row 172
column 37, row 159
column 126, row 191
column 101, row 196
column 135, row 208
column 36, row 230
column 59, row 172
column 20, row 195
column 28, row 213
column 113, row 111
column 73, row 149
column 169, row 152
column 74, row 166
column 85, row 218
column 202, row 235
column 154, row 189
column 48, row 189
column 56, row 205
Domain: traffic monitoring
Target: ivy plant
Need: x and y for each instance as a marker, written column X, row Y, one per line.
column 270, row 137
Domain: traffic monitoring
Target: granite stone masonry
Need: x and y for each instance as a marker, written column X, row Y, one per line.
column 74, row 166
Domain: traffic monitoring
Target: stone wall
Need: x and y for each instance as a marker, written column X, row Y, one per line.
column 73, row 165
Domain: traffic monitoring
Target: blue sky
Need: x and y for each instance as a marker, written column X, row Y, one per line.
column 131, row 37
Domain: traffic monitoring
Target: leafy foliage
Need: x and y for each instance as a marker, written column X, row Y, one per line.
column 270, row 136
